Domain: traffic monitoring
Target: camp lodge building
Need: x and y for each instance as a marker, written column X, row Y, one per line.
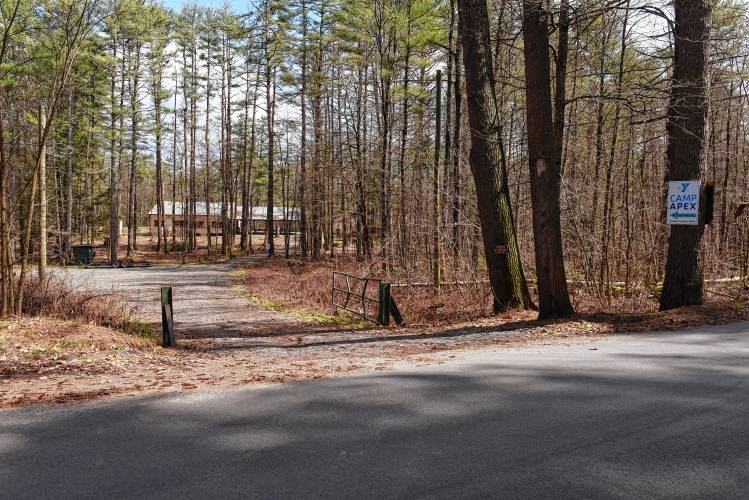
column 285, row 220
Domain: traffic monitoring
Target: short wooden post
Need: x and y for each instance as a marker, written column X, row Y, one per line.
column 384, row 316
column 167, row 317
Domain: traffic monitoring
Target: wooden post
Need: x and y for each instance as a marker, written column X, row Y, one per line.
column 167, row 317
column 384, row 313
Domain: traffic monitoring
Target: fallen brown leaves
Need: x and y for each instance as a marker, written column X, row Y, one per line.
column 51, row 361
column 43, row 346
column 308, row 289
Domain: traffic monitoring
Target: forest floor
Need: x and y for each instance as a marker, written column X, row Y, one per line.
column 229, row 334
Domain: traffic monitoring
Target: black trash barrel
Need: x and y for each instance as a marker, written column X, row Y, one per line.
column 83, row 254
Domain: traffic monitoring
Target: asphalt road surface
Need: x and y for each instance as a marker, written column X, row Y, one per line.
column 640, row 416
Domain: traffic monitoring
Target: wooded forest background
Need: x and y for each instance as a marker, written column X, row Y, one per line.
column 334, row 108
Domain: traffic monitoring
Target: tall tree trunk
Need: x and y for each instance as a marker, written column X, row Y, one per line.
column 174, row 162
column 686, row 129
column 193, row 233
column 437, row 244
column 42, row 197
column 245, row 187
column 364, row 243
column 157, row 98
column 227, row 234
column 207, row 139
column 447, row 170
column 385, row 80
column 402, row 205
column 270, row 99
column 252, row 159
column 303, row 141
column 114, row 192
column 317, row 199
column 69, row 179
column 455, row 153
column 134, row 115
column 487, row 160
column 545, row 165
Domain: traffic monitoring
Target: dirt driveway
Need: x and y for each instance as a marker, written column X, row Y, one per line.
column 206, row 302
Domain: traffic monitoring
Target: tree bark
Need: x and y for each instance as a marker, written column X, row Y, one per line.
column 42, row 197
column 131, row 211
column 208, row 228
column 545, row 164
column 437, row 248
column 270, row 104
column 303, row 141
column 455, row 153
column 487, row 161
column 687, row 114
column 69, row 180
column 114, row 191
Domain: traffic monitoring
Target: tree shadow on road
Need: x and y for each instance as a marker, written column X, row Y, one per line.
column 633, row 424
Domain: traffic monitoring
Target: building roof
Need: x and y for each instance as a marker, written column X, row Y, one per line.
column 258, row 213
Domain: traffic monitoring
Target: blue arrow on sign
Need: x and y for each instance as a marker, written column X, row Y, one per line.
column 679, row 215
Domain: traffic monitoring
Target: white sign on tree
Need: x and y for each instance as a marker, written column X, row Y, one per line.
column 683, row 203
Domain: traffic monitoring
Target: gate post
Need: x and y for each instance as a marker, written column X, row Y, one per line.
column 167, row 317
column 384, row 316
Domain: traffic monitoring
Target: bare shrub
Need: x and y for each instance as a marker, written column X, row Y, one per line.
column 55, row 298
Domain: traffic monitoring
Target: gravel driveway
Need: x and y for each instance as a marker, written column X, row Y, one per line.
column 204, row 302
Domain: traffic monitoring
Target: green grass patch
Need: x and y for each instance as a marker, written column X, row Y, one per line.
column 239, row 273
column 586, row 325
column 72, row 344
column 238, row 276
column 37, row 353
column 142, row 329
column 303, row 314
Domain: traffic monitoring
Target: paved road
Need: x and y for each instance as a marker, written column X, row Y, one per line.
column 642, row 416
column 204, row 302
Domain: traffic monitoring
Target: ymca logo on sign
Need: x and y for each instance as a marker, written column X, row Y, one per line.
column 683, row 206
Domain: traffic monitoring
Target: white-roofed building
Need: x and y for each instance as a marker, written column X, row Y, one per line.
column 176, row 216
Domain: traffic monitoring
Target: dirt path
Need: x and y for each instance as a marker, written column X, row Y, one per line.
column 206, row 303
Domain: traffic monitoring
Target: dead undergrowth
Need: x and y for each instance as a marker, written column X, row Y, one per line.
column 55, row 298
column 298, row 286
column 307, row 288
